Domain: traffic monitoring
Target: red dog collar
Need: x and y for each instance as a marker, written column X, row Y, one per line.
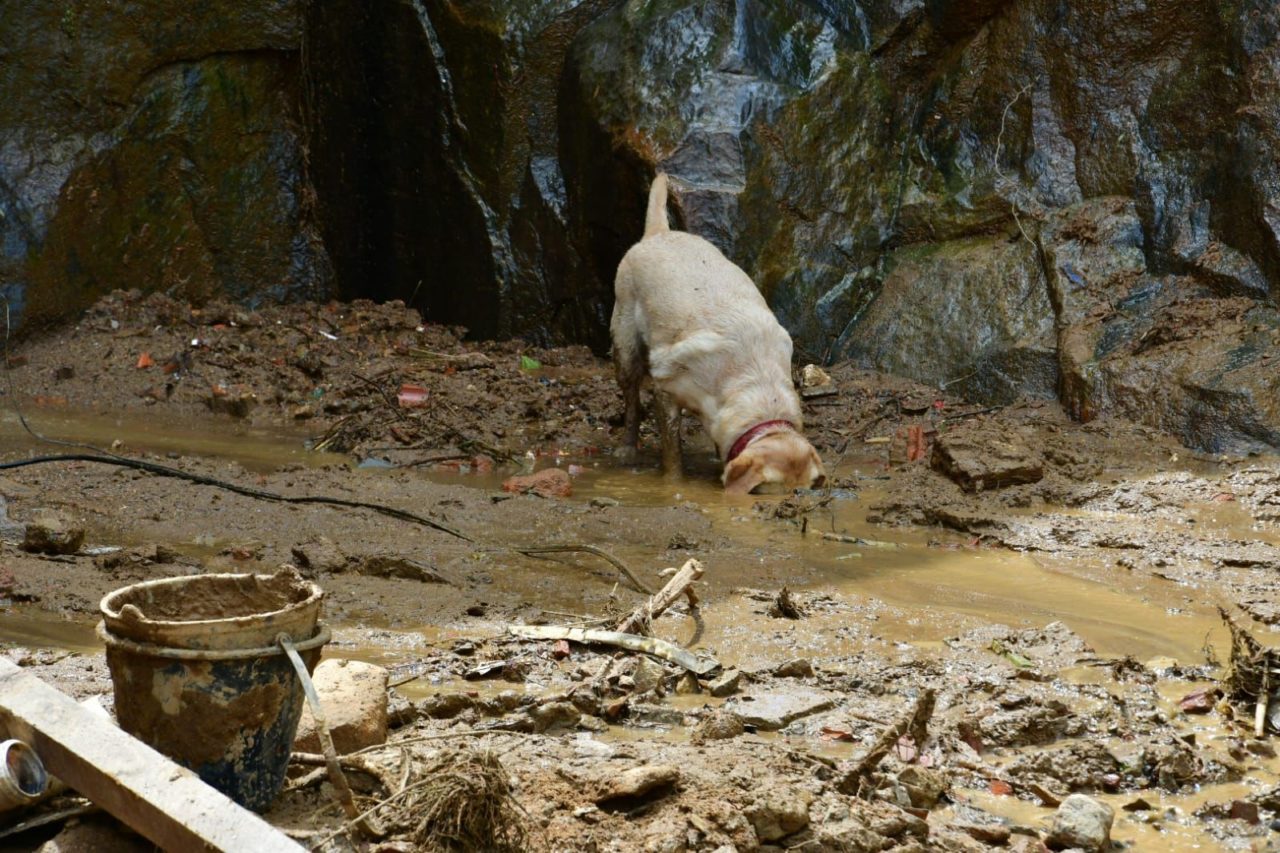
column 752, row 434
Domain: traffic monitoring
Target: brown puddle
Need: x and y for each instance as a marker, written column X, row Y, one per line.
column 258, row 449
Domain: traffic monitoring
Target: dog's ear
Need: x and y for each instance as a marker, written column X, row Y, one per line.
column 743, row 474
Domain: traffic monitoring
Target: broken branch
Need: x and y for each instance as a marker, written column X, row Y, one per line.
column 632, row 642
column 680, row 584
column 914, row 723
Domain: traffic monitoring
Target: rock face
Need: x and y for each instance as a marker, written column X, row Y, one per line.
column 1005, row 197
column 155, row 148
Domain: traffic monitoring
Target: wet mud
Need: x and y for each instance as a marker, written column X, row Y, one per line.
column 1060, row 624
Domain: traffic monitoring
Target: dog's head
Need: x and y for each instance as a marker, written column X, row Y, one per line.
column 785, row 459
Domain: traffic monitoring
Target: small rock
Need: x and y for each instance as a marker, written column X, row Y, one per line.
column 354, row 696
column 815, row 382
column 603, row 503
column 779, row 813
column 1244, row 810
column 393, row 566
column 1081, row 821
column 52, row 533
column 549, row 483
column 586, row 746
column 320, row 554
column 798, row 668
column 773, row 710
column 996, row 834
column 980, row 459
column 923, row 785
column 631, row 787
column 554, row 715
column 687, row 685
column 237, row 401
column 647, row 675
column 719, row 725
column 1199, row 701
column 726, row 684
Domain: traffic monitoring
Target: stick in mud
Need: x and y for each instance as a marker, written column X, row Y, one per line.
column 680, row 584
column 914, row 723
column 632, row 642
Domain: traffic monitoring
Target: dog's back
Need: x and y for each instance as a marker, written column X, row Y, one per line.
column 709, row 337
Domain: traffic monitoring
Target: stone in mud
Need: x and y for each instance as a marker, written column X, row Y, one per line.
column 320, row 554
column 779, row 812
column 797, row 668
column 771, row 710
column 1081, row 822
column 719, row 725
column 636, row 785
column 979, row 458
column 1033, row 724
column 923, row 785
column 549, row 483
column 726, row 684
column 395, row 566
column 354, row 697
column 553, row 716
column 51, row 532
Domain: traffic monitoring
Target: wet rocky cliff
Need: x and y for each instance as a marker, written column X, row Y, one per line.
column 1005, row 197
column 152, row 145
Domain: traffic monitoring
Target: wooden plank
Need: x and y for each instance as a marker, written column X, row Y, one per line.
column 164, row 802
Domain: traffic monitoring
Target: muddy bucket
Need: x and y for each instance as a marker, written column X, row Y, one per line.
column 198, row 675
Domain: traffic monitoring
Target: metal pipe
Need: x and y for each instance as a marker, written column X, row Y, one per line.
column 23, row 779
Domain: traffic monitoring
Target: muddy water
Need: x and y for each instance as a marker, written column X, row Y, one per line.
column 915, row 587
column 940, row 581
column 257, row 449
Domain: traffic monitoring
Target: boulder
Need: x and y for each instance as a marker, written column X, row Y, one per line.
column 354, row 697
column 52, row 532
column 1081, row 822
column 982, row 457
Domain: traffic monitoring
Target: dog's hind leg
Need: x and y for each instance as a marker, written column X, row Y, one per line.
column 629, row 362
column 667, row 414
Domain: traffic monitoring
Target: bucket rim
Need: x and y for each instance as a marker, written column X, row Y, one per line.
column 322, row 636
column 111, row 612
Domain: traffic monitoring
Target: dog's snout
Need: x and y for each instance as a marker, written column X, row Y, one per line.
column 819, row 481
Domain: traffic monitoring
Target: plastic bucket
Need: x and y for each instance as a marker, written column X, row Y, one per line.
column 227, row 712
column 214, row 611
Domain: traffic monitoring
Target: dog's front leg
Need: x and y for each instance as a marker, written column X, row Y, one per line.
column 667, row 415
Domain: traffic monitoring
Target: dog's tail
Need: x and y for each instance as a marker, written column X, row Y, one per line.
column 655, row 219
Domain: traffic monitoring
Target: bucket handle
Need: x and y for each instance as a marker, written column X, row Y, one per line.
column 339, row 779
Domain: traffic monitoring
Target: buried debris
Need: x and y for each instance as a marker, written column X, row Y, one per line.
column 465, row 802
column 1252, row 677
column 632, row 642
column 681, row 583
column 914, row 724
